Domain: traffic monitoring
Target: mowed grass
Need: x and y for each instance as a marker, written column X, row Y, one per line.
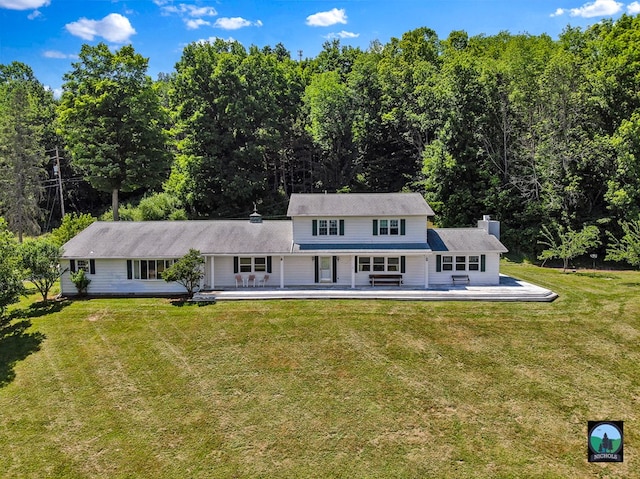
column 117, row 388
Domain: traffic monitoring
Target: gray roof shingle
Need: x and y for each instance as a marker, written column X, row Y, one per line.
column 358, row 204
column 464, row 240
column 172, row 239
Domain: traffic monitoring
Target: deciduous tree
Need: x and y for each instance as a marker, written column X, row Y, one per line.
column 112, row 121
column 40, row 262
column 186, row 271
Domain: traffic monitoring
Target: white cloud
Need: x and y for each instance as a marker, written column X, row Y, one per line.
column 326, row 19
column 58, row 55
column 235, row 23
column 114, row 28
column 597, row 8
column 342, row 34
column 23, row 4
column 184, row 9
column 194, row 24
column 633, row 8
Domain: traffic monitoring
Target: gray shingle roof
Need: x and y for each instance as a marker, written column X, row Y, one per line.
column 464, row 240
column 172, row 239
column 358, row 204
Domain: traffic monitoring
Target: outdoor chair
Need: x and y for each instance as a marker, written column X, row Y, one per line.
column 263, row 281
column 239, row 280
column 252, row 279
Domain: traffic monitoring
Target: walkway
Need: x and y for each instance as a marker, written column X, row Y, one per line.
column 509, row 289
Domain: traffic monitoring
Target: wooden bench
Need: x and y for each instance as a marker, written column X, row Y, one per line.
column 460, row 278
column 385, row 279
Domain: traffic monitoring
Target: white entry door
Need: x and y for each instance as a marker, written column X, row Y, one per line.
column 325, row 269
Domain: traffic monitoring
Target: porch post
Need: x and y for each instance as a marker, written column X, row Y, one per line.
column 426, row 271
column 212, row 272
column 353, row 271
column 281, row 272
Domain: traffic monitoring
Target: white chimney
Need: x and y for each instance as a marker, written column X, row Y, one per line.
column 492, row 227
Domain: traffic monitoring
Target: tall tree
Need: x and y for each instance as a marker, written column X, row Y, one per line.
column 112, row 121
column 22, row 157
column 11, row 286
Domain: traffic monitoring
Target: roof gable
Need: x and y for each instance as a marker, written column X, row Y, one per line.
column 358, row 204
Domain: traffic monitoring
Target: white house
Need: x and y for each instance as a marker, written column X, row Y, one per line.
column 344, row 240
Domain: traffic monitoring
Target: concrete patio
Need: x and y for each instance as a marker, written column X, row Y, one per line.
column 509, row 289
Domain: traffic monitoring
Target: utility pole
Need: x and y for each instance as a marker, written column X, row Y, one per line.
column 58, row 172
column 299, row 56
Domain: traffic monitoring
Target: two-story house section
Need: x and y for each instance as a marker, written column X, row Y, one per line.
column 330, row 241
column 361, row 239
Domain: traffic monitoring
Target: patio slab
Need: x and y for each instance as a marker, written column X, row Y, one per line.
column 509, row 289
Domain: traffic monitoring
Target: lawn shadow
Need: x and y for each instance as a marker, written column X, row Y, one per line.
column 182, row 302
column 39, row 309
column 16, row 344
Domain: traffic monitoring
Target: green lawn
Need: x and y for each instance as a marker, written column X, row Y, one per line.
column 377, row 389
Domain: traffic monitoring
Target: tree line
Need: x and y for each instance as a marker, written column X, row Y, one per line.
column 534, row 131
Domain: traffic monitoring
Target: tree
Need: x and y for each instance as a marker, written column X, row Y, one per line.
column 567, row 243
column 112, row 120
column 628, row 247
column 40, row 260
column 22, row 157
column 10, row 281
column 186, row 271
column 71, row 225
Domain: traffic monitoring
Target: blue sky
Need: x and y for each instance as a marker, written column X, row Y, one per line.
column 47, row 34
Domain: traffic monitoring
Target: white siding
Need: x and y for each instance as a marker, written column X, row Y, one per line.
column 111, row 278
column 491, row 275
column 360, row 230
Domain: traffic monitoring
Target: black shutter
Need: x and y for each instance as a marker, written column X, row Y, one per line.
column 317, row 269
column 341, row 227
column 403, row 227
column 92, row 266
column 314, row 227
column 72, row 265
column 268, row 264
column 403, row 264
column 375, row 227
column 335, row 269
column 235, row 264
column 129, row 269
column 483, row 262
column 438, row 263
column 356, row 264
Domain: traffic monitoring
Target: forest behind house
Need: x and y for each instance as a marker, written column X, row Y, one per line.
column 540, row 133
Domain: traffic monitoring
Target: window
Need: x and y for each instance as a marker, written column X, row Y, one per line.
column 380, row 264
column 87, row 265
column 252, row 264
column 322, row 227
column 364, row 263
column 389, row 227
column 447, row 263
column 333, row 227
column 461, row 263
column 327, row 227
column 474, row 263
column 148, row 269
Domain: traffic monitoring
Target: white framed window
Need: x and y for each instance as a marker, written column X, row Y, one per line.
column 388, row 227
column 447, row 263
column 252, row 264
column 461, row 263
column 379, row 264
column 322, row 227
column 364, row 263
column 149, row 269
column 474, row 263
column 82, row 264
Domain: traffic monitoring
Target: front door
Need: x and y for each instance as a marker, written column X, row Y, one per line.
column 325, row 269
